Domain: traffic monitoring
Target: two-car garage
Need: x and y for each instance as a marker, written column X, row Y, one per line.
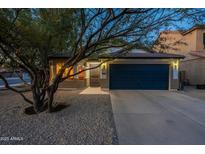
column 141, row 70
column 139, row 76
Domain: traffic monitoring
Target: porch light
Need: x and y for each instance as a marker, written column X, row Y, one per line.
column 103, row 66
column 103, row 71
column 175, row 64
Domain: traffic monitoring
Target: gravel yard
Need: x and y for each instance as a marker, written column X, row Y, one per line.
column 87, row 119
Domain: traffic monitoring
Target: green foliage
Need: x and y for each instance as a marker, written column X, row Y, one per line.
column 38, row 32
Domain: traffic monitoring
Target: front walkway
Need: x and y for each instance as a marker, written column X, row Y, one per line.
column 158, row 117
column 94, row 90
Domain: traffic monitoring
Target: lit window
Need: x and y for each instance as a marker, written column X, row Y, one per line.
column 58, row 67
column 71, row 72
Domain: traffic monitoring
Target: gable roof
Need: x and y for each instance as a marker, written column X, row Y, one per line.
column 193, row 28
column 183, row 32
column 60, row 55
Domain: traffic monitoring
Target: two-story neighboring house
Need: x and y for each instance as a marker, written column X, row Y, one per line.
column 191, row 44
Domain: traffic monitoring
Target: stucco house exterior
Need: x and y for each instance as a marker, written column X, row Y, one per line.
column 191, row 44
column 138, row 69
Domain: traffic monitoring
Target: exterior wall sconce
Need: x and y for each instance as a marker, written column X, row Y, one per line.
column 104, row 71
column 175, row 65
column 175, row 69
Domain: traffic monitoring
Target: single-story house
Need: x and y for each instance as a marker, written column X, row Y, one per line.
column 138, row 69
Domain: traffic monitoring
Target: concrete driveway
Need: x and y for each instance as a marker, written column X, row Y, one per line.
column 158, row 117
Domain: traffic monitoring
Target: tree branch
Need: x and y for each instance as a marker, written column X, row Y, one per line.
column 15, row 90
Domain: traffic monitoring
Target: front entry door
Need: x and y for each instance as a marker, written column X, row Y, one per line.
column 94, row 76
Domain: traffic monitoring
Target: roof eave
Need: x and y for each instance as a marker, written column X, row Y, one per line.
column 181, row 57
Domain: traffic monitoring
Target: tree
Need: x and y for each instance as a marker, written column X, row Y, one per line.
column 28, row 36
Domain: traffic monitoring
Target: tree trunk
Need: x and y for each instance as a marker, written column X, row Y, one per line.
column 38, row 103
column 51, row 91
column 50, row 99
column 50, row 102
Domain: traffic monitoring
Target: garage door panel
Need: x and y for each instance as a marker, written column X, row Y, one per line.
column 139, row 76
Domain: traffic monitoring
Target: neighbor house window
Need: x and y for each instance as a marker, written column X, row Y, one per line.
column 204, row 40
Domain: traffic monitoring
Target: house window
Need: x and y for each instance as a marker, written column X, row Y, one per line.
column 70, row 73
column 58, row 67
column 204, row 40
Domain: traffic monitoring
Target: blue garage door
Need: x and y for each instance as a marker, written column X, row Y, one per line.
column 139, row 76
